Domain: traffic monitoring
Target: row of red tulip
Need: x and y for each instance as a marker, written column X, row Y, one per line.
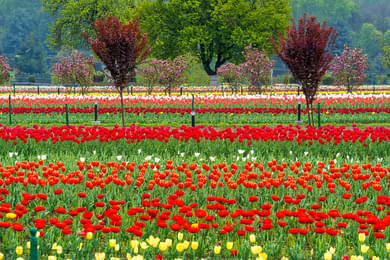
column 78, row 134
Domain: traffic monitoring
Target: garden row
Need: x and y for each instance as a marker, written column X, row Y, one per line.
column 195, row 192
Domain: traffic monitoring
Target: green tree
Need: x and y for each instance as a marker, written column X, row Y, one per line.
column 30, row 56
column 371, row 41
column 72, row 17
column 386, row 60
column 334, row 11
column 386, row 38
column 216, row 31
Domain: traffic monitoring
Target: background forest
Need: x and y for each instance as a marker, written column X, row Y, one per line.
column 24, row 27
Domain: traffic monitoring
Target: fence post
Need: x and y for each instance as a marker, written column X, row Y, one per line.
column 33, row 244
column 319, row 114
column 66, row 115
column 181, row 91
column 96, row 111
column 38, row 89
column 74, row 89
column 374, row 86
column 128, row 91
column 14, row 89
column 242, row 92
column 299, row 112
column 58, row 90
column 131, row 90
column 193, row 113
column 9, row 109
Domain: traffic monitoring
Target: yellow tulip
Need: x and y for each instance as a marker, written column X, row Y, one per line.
column 136, row 250
column 328, row 256
column 128, row 256
column 375, row 258
column 362, row 237
column 81, row 246
column 252, row 238
column 332, row 250
column 180, row 236
column 112, row 242
column 1, row 256
column 89, row 235
column 388, row 247
column 59, row 250
column 262, row 256
column 114, row 258
column 20, row 258
column 360, row 257
column 364, row 248
column 52, row 257
column 194, row 245
column 137, row 257
column 229, row 245
column 256, row 250
column 10, row 215
column 162, row 246
column 54, row 246
column 100, row 256
column 19, row 250
column 353, row 257
column 28, row 245
column 284, row 258
column 144, row 245
column 186, row 244
column 168, row 242
column 217, row 250
column 180, row 247
column 117, row 247
column 195, row 225
column 134, row 243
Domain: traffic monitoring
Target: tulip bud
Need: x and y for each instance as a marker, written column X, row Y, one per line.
column 194, row 245
column 362, row 237
column 180, row 247
column 89, row 235
column 19, row 250
column 252, row 238
column 180, row 236
column 112, row 242
column 162, row 246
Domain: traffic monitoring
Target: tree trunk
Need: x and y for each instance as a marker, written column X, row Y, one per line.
column 207, row 68
column 308, row 111
column 122, row 107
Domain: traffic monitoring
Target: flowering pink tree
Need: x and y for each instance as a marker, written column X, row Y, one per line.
column 231, row 74
column 348, row 68
column 257, row 67
column 150, row 74
column 171, row 73
column 4, row 70
column 75, row 70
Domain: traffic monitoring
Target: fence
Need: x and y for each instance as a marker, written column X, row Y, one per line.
column 44, row 88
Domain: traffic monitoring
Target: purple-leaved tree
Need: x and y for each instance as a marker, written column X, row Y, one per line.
column 257, row 68
column 76, row 69
column 348, row 68
column 4, row 69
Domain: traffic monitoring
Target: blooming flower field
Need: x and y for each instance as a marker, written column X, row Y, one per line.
column 164, row 192
column 228, row 110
